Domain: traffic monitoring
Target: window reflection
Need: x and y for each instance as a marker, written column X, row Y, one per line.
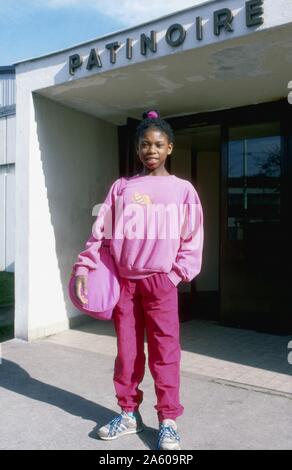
column 235, row 160
column 263, row 157
column 254, row 157
column 254, row 170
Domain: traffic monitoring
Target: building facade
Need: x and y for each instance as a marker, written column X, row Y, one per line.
column 7, row 168
column 219, row 73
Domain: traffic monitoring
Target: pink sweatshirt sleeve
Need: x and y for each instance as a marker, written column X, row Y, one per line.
column 89, row 257
column 188, row 261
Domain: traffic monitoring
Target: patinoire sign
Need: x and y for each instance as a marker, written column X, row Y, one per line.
column 174, row 36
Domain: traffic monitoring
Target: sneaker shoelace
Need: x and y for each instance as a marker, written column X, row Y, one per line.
column 115, row 425
column 167, row 431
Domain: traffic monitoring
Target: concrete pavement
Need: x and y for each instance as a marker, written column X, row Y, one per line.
column 55, row 392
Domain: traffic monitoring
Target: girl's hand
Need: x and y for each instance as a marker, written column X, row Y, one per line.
column 81, row 285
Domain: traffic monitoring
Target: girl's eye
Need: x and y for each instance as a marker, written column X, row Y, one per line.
column 144, row 144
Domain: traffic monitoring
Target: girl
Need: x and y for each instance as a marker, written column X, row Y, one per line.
column 150, row 269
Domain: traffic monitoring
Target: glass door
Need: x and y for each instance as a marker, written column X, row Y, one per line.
column 252, row 281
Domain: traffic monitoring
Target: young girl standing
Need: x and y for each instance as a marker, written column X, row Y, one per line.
column 150, row 269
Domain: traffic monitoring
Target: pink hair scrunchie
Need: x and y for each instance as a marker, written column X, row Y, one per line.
column 152, row 115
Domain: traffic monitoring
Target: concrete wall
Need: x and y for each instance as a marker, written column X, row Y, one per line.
column 68, row 159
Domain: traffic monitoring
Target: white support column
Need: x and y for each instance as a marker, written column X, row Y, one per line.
column 24, row 105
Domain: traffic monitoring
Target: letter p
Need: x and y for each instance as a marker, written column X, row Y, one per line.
column 75, row 62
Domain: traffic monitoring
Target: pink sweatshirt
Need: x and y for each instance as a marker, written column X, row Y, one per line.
column 154, row 225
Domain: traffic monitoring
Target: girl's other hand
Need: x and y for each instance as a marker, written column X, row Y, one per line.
column 80, row 288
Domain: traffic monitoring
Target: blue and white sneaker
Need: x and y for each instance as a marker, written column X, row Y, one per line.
column 168, row 438
column 123, row 424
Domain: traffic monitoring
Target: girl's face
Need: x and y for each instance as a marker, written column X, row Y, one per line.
column 153, row 149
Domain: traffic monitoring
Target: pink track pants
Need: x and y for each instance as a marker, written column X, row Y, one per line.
column 152, row 304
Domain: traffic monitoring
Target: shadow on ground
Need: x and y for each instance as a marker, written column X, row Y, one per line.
column 14, row 378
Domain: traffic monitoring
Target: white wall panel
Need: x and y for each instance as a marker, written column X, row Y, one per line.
column 2, row 219
column 11, row 137
column 2, row 140
column 10, row 218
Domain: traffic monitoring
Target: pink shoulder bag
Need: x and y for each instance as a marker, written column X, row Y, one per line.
column 103, row 284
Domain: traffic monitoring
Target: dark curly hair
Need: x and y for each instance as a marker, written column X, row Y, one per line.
column 152, row 120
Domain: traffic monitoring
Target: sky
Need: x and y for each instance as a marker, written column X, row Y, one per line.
column 31, row 28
